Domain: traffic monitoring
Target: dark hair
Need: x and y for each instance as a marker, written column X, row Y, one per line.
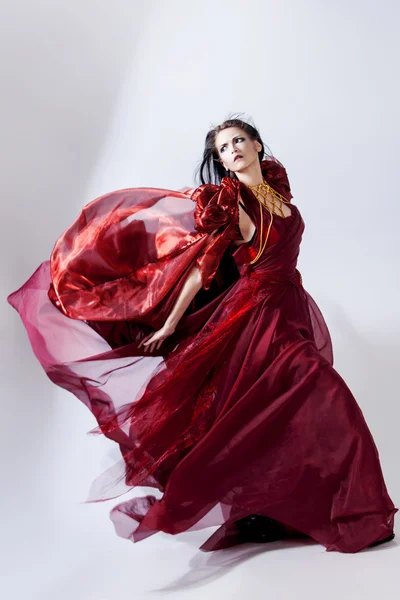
column 210, row 169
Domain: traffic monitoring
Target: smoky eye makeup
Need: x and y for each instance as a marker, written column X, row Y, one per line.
column 239, row 137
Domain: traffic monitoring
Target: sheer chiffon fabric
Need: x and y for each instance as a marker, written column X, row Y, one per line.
column 240, row 411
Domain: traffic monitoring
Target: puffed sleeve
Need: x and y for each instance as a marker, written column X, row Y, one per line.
column 216, row 214
column 275, row 174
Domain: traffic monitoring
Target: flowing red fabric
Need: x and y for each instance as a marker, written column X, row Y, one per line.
column 240, row 411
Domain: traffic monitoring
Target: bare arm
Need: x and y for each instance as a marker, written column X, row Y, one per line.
column 190, row 288
column 192, row 285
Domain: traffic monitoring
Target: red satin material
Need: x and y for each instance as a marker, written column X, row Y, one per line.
column 241, row 410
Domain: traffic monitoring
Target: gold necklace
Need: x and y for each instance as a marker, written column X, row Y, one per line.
column 263, row 190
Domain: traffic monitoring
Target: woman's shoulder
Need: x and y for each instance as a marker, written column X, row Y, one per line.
column 275, row 174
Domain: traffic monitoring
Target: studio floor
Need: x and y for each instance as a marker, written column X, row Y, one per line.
column 84, row 564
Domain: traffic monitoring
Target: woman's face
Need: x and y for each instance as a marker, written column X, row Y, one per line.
column 234, row 143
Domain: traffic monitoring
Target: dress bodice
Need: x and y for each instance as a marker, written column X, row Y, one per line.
column 281, row 251
column 278, row 228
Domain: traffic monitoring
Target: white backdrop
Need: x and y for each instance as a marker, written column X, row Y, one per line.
column 99, row 96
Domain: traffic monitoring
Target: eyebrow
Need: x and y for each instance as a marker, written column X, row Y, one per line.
column 235, row 136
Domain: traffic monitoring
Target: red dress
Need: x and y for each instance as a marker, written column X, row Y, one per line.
column 240, row 411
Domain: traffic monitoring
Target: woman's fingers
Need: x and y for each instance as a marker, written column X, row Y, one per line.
column 146, row 340
column 154, row 340
column 146, row 346
column 151, row 344
column 141, row 342
column 154, row 345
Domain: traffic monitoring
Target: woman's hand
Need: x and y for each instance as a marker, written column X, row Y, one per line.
column 189, row 289
column 155, row 339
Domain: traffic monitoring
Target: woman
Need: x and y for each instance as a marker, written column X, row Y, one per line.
column 186, row 330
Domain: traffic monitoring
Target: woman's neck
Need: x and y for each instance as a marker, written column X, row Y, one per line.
column 252, row 175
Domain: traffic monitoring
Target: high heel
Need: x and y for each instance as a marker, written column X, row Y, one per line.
column 387, row 539
column 260, row 529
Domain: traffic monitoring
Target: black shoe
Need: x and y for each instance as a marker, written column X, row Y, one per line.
column 387, row 539
column 260, row 529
